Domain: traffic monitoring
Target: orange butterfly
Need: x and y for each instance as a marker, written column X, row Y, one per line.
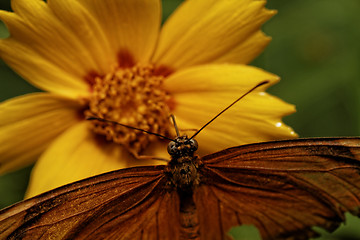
column 284, row 188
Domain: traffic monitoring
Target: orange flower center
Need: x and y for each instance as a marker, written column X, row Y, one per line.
column 132, row 96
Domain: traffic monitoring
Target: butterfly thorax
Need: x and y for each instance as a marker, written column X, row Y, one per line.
column 184, row 164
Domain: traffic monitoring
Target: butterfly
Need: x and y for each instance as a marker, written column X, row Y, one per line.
column 283, row 188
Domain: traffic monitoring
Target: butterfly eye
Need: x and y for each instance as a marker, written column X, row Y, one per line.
column 171, row 148
column 193, row 144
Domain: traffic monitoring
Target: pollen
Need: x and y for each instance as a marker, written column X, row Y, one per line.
column 132, row 96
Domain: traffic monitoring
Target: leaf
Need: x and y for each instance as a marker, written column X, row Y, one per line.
column 245, row 232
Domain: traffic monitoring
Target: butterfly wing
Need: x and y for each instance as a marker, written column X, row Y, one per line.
column 124, row 204
column 283, row 188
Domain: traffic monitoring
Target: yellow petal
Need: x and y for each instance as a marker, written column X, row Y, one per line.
column 247, row 51
column 218, row 77
column 202, row 92
column 87, row 30
column 29, row 123
column 35, row 26
column 131, row 26
column 202, row 31
column 75, row 155
column 40, row 72
column 240, row 125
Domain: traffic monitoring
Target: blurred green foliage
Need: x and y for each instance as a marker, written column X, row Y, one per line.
column 315, row 50
column 245, row 232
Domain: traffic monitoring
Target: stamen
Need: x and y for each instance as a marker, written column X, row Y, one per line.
column 131, row 96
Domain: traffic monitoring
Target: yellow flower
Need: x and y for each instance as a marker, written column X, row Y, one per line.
column 113, row 60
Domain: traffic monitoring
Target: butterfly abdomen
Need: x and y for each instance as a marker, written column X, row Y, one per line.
column 189, row 220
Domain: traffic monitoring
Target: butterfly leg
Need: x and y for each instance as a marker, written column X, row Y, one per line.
column 145, row 157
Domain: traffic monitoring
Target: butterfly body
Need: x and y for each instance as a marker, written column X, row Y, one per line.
column 284, row 188
column 183, row 168
column 183, row 176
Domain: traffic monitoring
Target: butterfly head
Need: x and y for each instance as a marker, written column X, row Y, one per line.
column 182, row 146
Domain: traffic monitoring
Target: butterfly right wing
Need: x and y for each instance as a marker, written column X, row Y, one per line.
column 124, row 204
column 284, row 188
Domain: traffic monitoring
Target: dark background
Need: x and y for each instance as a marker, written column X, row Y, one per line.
column 315, row 50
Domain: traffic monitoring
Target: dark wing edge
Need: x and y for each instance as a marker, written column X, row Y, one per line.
column 284, row 188
column 131, row 203
column 347, row 147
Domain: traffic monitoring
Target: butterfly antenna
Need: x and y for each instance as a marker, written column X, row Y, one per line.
column 135, row 128
column 260, row 84
column 175, row 125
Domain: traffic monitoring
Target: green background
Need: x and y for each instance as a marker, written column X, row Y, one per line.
column 315, row 50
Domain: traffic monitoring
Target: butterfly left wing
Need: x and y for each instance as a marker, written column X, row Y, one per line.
column 125, row 204
column 283, row 188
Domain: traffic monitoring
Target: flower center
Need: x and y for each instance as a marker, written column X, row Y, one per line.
column 134, row 97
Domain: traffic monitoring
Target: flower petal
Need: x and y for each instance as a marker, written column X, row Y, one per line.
column 246, row 51
column 218, row 77
column 29, row 123
column 202, row 92
column 35, row 27
column 87, row 30
column 202, row 31
column 75, row 155
column 131, row 26
column 40, row 72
